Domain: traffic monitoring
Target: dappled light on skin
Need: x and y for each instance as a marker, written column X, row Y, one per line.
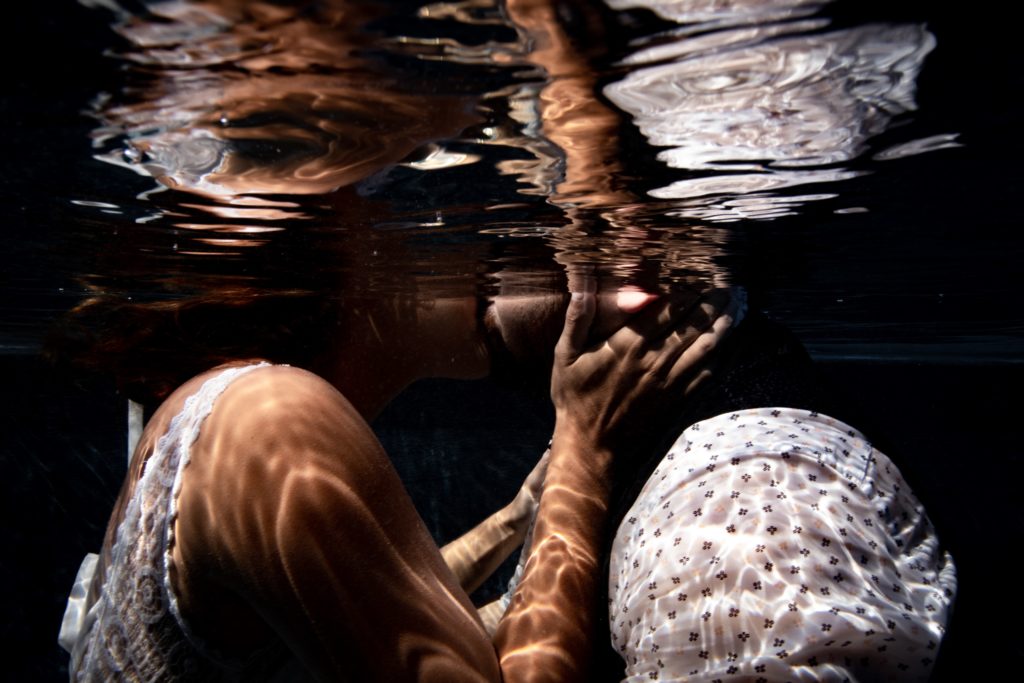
column 432, row 660
column 476, row 554
column 539, row 617
column 256, row 114
column 289, row 502
column 560, row 578
column 317, row 542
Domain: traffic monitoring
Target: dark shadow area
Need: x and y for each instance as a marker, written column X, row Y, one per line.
column 952, row 430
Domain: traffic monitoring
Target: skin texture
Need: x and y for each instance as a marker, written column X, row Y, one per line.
column 342, row 569
column 293, row 526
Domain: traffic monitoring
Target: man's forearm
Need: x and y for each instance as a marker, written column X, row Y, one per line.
column 547, row 634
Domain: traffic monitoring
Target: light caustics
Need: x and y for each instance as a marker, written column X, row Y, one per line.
column 261, row 114
column 255, row 106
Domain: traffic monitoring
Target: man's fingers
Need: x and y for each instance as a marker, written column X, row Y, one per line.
column 695, row 356
column 667, row 321
column 578, row 317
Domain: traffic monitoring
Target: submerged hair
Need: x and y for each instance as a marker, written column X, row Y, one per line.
column 150, row 348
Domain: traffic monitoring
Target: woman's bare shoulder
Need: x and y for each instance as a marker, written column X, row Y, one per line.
column 284, row 381
column 279, row 406
column 286, row 384
column 275, row 436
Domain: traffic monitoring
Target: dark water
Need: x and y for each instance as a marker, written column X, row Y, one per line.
column 853, row 165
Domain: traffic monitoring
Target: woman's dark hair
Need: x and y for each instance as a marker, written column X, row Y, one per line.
column 150, row 348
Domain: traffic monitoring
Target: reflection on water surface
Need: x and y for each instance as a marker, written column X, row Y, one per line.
column 426, row 143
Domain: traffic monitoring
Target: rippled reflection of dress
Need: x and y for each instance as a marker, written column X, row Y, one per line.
column 777, row 544
column 130, row 628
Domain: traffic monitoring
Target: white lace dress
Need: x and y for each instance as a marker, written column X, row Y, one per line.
column 130, row 627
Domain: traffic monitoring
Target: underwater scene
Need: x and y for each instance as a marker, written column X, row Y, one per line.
column 848, row 167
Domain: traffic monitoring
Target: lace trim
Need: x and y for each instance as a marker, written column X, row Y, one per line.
column 138, row 632
column 182, row 433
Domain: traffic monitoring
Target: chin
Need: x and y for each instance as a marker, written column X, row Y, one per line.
column 521, row 334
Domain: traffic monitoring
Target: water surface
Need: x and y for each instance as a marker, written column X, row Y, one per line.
column 778, row 145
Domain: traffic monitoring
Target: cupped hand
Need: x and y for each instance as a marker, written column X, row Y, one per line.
column 611, row 395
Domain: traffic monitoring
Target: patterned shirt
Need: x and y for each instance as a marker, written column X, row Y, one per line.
column 773, row 545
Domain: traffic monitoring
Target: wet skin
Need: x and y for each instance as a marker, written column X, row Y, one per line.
column 294, row 527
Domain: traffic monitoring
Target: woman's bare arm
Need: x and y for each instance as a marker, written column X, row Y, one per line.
column 475, row 555
column 291, row 508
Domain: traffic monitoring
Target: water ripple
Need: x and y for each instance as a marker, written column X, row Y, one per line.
column 720, row 13
column 239, row 100
column 758, row 101
column 929, row 144
column 468, row 123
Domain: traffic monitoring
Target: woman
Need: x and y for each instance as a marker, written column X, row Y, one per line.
column 262, row 531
